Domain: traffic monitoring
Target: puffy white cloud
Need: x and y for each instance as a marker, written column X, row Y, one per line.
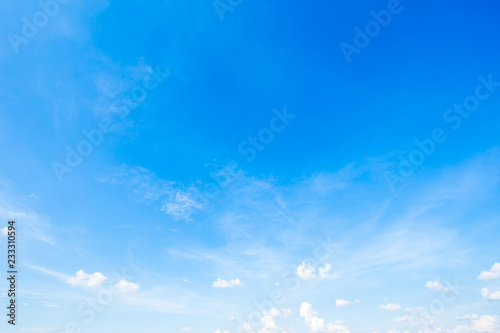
column 317, row 324
column 403, row 318
column 307, row 271
column 311, row 318
column 88, row 280
column 186, row 329
column 4, row 231
column 341, row 302
column 493, row 273
column 492, row 296
column 94, row 280
column 323, row 271
column 390, row 307
column 269, row 322
column 436, row 285
column 220, row 283
column 125, row 286
column 483, row 324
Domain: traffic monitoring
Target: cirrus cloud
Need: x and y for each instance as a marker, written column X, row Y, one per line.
column 307, row 271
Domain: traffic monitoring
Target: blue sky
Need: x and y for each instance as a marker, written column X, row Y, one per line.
column 226, row 166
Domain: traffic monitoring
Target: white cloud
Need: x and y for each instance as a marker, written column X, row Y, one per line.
column 341, row 302
column 491, row 296
column 403, row 318
column 307, row 271
column 472, row 316
column 186, row 329
column 219, row 283
column 181, row 205
column 268, row 321
column 177, row 200
column 493, row 273
column 483, row 324
column 125, row 286
column 390, row 307
column 323, row 272
column 34, row 226
column 89, row 280
column 219, row 331
column 416, row 309
column 436, row 285
column 317, row 324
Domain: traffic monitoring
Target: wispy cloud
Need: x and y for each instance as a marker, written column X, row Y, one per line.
column 176, row 200
column 390, row 307
column 31, row 224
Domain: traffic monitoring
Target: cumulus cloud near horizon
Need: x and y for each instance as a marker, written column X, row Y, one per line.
column 317, row 324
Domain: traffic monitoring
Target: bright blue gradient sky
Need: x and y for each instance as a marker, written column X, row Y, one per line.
column 408, row 250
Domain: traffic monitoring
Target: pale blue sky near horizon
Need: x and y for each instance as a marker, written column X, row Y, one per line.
column 253, row 141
